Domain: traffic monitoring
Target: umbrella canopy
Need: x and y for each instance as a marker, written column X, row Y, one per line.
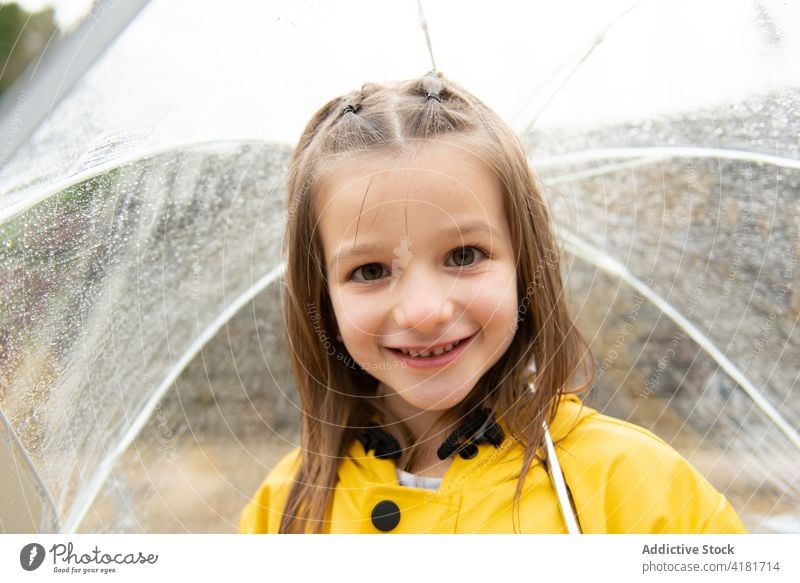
column 144, row 383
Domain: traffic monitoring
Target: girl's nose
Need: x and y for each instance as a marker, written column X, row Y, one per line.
column 421, row 300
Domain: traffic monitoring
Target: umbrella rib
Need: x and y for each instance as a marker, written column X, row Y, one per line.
column 27, row 460
column 557, row 90
column 423, row 22
column 100, row 475
column 605, row 169
column 43, row 86
column 656, row 153
column 580, row 248
column 47, row 189
column 587, row 50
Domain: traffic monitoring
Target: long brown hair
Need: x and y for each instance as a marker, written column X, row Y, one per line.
column 547, row 349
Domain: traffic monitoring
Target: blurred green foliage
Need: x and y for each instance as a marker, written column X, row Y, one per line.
column 23, row 37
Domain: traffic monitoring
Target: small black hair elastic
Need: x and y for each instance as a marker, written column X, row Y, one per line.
column 350, row 109
column 432, row 95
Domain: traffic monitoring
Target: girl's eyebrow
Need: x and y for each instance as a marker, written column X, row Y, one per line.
column 459, row 231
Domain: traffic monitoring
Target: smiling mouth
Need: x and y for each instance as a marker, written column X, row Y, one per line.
column 443, row 349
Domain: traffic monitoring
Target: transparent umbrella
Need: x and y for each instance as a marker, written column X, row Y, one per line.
column 144, row 383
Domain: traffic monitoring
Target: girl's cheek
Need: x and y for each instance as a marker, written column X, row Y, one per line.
column 355, row 315
column 496, row 293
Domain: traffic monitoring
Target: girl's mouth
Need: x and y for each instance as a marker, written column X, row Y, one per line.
column 430, row 359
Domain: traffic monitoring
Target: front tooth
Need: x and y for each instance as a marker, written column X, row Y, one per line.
column 436, row 352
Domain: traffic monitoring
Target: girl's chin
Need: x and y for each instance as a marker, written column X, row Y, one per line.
column 431, row 399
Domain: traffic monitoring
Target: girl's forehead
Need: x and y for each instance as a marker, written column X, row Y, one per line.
column 425, row 170
column 434, row 186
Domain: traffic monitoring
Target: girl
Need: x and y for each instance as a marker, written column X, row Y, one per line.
column 418, row 240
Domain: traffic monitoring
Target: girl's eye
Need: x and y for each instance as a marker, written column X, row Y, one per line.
column 466, row 256
column 369, row 272
column 462, row 257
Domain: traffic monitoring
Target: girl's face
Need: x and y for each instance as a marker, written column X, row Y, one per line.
column 419, row 257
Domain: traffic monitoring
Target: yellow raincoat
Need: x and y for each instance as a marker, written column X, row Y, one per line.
column 623, row 479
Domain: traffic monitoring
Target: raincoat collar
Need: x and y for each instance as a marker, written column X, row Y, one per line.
column 383, row 471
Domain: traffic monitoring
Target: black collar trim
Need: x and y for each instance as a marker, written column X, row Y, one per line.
column 478, row 428
column 383, row 442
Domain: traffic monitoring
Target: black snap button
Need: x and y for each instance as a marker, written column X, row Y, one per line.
column 469, row 451
column 385, row 515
